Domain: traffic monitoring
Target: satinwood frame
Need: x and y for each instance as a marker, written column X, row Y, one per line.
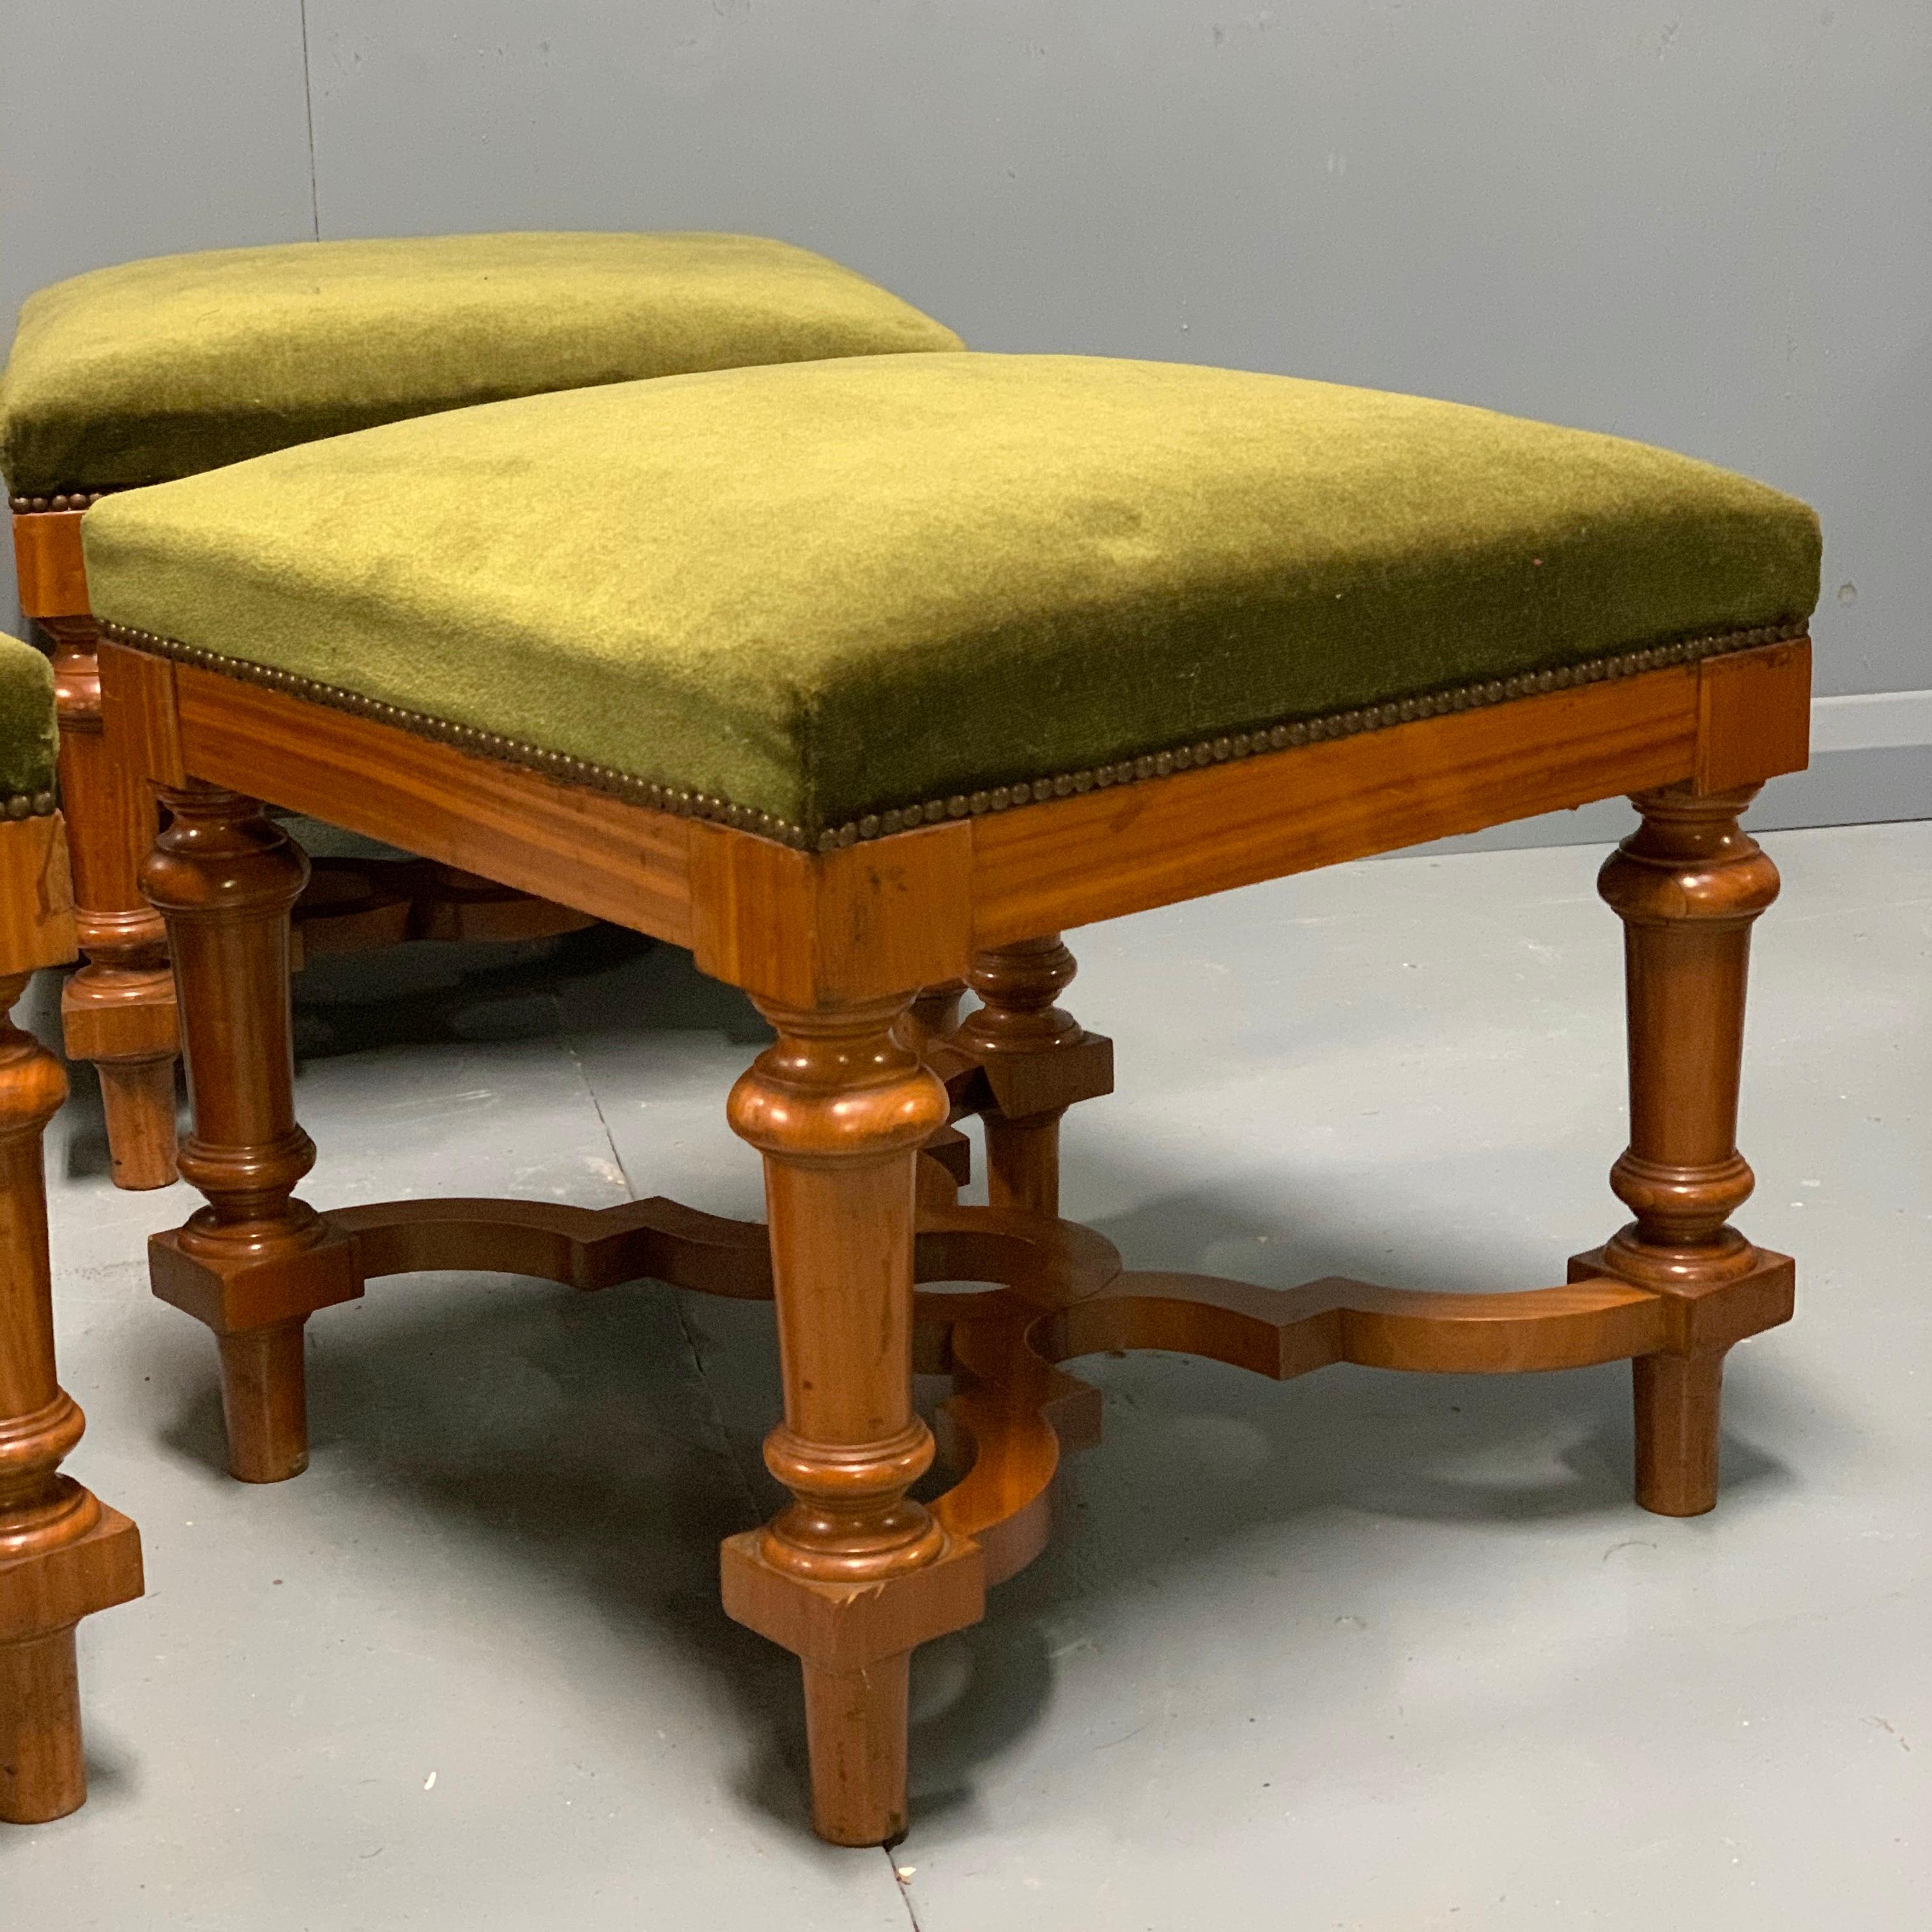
column 858, row 956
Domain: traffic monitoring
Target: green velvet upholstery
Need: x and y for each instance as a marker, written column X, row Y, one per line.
column 27, row 732
column 824, row 589
column 160, row 369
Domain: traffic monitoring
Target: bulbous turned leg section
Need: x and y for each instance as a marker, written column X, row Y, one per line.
column 62, row 1555
column 854, row 1573
column 254, row 1263
column 1037, row 1060
column 1687, row 884
column 118, row 1010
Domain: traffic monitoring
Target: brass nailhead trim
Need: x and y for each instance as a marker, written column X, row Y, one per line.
column 69, row 500
column 1258, row 739
column 559, row 765
column 28, row 805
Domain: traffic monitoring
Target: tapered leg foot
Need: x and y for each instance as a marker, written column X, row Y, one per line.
column 137, row 1097
column 264, row 1402
column 856, row 1728
column 42, row 1775
column 1677, row 1418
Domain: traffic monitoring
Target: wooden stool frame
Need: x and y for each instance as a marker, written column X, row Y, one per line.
column 857, row 956
column 63, row 1554
column 118, row 1010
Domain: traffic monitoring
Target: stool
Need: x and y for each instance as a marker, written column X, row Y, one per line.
column 878, row 674
column 63, row 1554
column 161, row 369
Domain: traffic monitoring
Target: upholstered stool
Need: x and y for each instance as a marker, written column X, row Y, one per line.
column 162, row 369
column 867, row 679
column 62, row 1554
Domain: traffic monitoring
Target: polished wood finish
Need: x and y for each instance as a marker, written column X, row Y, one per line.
column 1282, row 1332
column 1687, row 884
column 1110, row 853
column 933, row 1014
column 63, row 1556
column 48, row 564
column 1753, row 716
column 582, row 848
column 839, row 1109
column 587, row 1248
column 140, row 711
column 1011, row 1416
column 812, row 929
column 1036, row 1060
column 348, row 904
column 255, row 1263
column 118, row 1010
column 1677, row 1400
column 43, row 1771
column 873, row 1261
column 1016, row 875
column 37, row 917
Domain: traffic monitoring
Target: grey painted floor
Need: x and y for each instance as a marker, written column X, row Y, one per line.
column 1362, row 1651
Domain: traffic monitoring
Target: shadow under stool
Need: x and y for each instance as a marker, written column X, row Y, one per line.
column 876, row 676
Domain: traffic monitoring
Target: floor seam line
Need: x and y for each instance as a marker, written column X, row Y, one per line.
column 597, row 1107
column 904, row 1887
column 751, row 1516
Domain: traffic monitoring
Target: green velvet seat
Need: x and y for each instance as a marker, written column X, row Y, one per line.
column 26, row 730
column 828, row 599
column 160, row 369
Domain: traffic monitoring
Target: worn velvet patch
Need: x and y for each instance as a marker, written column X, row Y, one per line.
column 823, row 589
column 160, row 369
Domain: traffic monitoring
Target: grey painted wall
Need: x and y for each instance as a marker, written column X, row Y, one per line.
column 1705, row 225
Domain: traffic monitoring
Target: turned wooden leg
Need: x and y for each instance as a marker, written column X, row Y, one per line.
column 118, row 1010
column 255, row 1262
column 1018, row 1024
column 845, row 1575
column 1687, row 884
column 62, row 1555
